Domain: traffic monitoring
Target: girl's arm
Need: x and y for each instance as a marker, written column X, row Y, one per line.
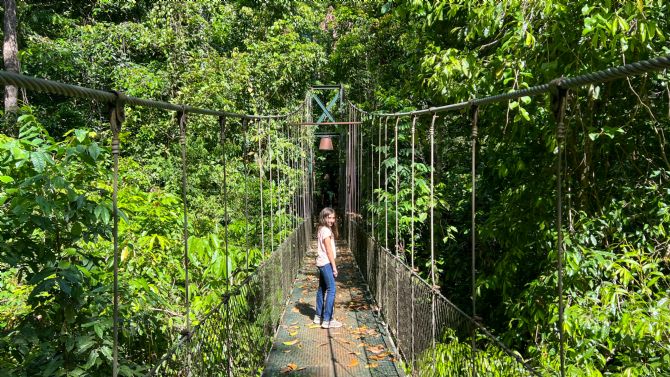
column 329, row 252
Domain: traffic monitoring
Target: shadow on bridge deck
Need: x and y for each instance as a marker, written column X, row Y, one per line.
column 360, row 348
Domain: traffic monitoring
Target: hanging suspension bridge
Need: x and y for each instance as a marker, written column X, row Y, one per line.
column 395, row 319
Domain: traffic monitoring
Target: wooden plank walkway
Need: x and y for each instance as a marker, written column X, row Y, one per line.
column 360, row 348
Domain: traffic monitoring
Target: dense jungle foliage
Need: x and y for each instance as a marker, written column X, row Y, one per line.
column 261, row 56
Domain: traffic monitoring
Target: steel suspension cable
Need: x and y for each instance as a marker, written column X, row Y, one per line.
column 474, row 116
column 260, row 184
column 280, row 209
column 245, row 147
column 181, row 118
column 372, row 178
column 432, row 231
column 359, row 165
column 386, row 181
column 116, row 118
column 397, row 182
column 413, row 238
column 54, row 87
column 379, row 177
column 227, row 324
column 397, row 244
column 271, row 186
column 632, row 69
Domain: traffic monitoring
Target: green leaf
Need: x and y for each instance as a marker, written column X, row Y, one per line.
column 84, row 343
column 6, row 179
column 99, row 331
column 80, row 135
column 102, row 213
column 94, row 150
column 524, row 113
column 39, row 161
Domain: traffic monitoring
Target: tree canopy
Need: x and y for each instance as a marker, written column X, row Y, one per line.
column 261, row 57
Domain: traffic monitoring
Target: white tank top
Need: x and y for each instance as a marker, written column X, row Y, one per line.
column 322, row 256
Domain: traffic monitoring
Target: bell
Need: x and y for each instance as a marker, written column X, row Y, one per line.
column 326, row 144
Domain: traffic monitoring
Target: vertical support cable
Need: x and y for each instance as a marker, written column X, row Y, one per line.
column 280, row 147
column 260, row 184
column 474, row 115
column 245, row 148
column 397, row 182
column 397, row 235
column 372, row 180
column 412, row 232
column 222, row 126
column 181, row 118
column 359, row 165
column 432, row 232
column 386, row 182
column 379, row 178
column 558, row 98
column 224, row 161
column 116, row 118
column 270, row 186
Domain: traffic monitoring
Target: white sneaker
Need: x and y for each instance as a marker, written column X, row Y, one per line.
column 317, row 319
column 331, row 324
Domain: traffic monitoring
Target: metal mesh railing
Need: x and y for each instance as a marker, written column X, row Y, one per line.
column 431, row 333
column 234, row 338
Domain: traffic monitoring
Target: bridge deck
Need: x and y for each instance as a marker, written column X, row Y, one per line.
column 360, row 348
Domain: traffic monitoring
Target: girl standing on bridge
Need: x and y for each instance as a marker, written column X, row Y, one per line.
column 325, row 261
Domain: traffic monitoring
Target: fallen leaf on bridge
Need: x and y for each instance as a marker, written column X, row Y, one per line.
column 353, row 363
column 291, row 342
column 381, row 356
column 290, row 368
column 376, row 349
column 372, row 365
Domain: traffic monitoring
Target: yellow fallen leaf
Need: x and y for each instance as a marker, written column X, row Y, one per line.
column 291, row 342
column 293, row 333
column 372, row 365
column 353, row 363
column 289, row 368
column 313, row 326
column 376, row 349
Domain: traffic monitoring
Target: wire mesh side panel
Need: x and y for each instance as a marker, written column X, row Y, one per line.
column 433, row 335
column 234, row 337
column 405, row 311
column 392, row 294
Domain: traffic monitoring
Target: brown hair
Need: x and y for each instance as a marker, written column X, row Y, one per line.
column 325, row 212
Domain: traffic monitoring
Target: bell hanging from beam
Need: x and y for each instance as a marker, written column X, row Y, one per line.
column 326, row 144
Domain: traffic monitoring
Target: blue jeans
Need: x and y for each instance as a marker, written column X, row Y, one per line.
column 327, row 289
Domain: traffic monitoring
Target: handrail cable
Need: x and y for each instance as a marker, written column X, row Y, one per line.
column 55, row 87
column 609, row 74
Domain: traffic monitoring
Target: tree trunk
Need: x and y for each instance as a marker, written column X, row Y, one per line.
column 10, row 54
